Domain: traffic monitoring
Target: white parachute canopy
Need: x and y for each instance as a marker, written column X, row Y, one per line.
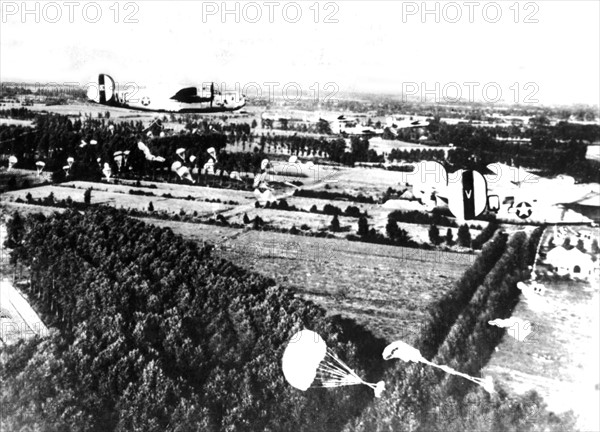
column 70, row 161
column 83, row 144
column 534, row 296
column 209, row 167
column 182, row 171
column 213, row 154
column 149, row 156
column 181, row 153
column 12, row 162
column 307, row 362
column 118, row 156
column 107, row 171
column 516, row 327
column 264, row 164
column 94, row 142
column 192, row 159
column 40, row 166
column 407, row 353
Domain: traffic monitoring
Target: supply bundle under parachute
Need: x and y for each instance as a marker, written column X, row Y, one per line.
column 182, row 171
column 307, row 362
column 119, row 159
column 149, row 156
column 405, row 352
column 12, row 162
column 40, row 167
column 107, row 171
column 209, row 166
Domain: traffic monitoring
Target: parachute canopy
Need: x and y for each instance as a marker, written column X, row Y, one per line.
column 106, row 170
column 264, row 164
column 307, row 362
column 182, row 171
column 516, row 327
column 70, row 161
column 40, row 166
column 302, row 357
column 149, row 156
column 402, row 351
column 12, row 161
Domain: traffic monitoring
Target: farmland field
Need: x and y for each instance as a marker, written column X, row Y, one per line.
column 120, row 200
column 384, row 288
column 560, row 358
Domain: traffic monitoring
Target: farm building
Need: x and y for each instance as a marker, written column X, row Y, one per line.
column 572, row 262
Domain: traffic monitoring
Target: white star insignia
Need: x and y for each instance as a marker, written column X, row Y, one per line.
column 523, row 210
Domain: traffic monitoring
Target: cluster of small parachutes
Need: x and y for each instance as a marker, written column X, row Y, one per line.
column 262, row 191
column 307, row 362
column 39, row 165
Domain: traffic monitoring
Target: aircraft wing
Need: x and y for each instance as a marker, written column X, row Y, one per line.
column 189, row 95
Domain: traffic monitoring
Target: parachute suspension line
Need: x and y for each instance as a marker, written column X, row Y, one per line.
column 335, row 373
column 479, row 381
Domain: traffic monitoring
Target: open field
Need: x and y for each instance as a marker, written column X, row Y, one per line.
column 384, row 288
column 176, row 190
column 560, row 358
column 15, row 122
column 366, row 181
column 121, row 200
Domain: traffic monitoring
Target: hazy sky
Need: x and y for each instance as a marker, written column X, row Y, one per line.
column 374, row 46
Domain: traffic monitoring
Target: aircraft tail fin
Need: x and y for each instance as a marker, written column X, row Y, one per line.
column 104, row 92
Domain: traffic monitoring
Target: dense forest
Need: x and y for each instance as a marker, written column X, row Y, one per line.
column 154, row 333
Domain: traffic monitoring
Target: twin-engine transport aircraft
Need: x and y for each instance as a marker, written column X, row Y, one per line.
column 185, row 100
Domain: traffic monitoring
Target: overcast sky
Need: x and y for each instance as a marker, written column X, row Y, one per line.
column 370, row 48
